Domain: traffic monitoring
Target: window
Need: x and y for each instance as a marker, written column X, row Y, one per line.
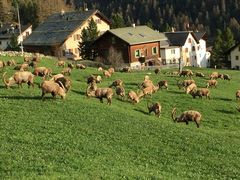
column 63, row 52
column 137, row 53
column 154, row 50
column 27, row 33
column 98, row 21
column 186, row 50
column 70, row 51
column 76, row 50
column 173, row 51
column 76, row 37
column 237, row 58
column 113, row 40
column 193, row 48
column 0, row 42
column 189, row 40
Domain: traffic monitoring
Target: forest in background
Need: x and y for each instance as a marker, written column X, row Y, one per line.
column 163, row 15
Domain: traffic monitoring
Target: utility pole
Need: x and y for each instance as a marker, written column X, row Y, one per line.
column 20, row 30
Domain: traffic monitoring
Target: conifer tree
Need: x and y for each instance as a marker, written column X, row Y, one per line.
column 88, row 36
column 117, row 21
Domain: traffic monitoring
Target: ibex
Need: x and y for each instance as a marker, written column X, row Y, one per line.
column 187, row 116
column 19, row 78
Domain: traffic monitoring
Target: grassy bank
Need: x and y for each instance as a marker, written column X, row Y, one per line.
column 81, row 138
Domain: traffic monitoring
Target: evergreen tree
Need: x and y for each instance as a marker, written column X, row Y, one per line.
column 117, row 21
column 88, row 36
column 223, row 42
column 13, row 46
column 216, row 52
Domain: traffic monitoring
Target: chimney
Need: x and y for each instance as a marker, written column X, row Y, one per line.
column 133, row 25
column 62, row 12
column 85, row 8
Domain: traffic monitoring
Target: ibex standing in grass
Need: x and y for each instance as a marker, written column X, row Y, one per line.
column 187, row 116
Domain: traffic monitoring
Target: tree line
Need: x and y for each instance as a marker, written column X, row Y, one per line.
column 215, row 17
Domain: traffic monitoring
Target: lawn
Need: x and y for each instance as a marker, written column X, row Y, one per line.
column 81, row 138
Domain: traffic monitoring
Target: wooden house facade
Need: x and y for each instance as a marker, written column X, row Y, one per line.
column 60, row 34
column 133, row 43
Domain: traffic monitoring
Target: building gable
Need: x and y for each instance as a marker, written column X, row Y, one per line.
column 59, row 27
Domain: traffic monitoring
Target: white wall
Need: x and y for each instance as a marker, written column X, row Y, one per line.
column 233, row 57
column 171, row 53
column 4, row 43
column 73, row 44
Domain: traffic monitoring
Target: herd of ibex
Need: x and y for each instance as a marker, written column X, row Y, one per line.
column 60, row 84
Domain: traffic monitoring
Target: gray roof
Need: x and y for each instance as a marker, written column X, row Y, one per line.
column 138, row 34
column 177, row 38
column 7, row 30
column 56, row 28
column 199, row 35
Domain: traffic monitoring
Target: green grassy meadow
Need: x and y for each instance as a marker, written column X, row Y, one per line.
column 81, row 138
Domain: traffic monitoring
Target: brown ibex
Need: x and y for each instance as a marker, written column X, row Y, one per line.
column 187, row 116
column 19, row 78
column 156, row 108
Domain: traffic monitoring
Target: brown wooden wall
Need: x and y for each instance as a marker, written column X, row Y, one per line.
column 103, row 44
column 146, row 50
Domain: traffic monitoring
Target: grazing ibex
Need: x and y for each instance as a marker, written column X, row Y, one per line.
column 157, row 71
column 162, row 84
column 190, row 88
column 226, row 77
column 200, row 93
column 186, row 72
column 126, row 69
column 11, row 62
column 156, row 108
column 42, row 71
column 107, row 73
column 67, row 70
column 2, row 64
column 212, row 83
column 80, row 66
column 237, row 95
column 93, row 78
column 199, row 74
column 187, row 116
column 215, row 75
column 148, row 91
column 111, row 70
column 61, row 63
column 53, row 88
column 184, row 84
column 120, row 91
column 19, row 78
column 133, row 97
column 64, row 81
column 116, row 83
column 100, row 93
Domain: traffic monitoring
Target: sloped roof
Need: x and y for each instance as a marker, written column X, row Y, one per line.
column 8, row 29
column 56, row 28
column 138, row 34
column 199, row 35
column 177, row 38
column 228, row 51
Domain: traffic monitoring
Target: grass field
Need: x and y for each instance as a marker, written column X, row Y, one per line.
column 80, row 138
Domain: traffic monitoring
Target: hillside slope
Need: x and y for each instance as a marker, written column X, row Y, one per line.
column 81, row 138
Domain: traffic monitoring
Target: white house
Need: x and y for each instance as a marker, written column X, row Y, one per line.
column 192, row 45
column 234, row 56
column 9, row 29
column 170, row 54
